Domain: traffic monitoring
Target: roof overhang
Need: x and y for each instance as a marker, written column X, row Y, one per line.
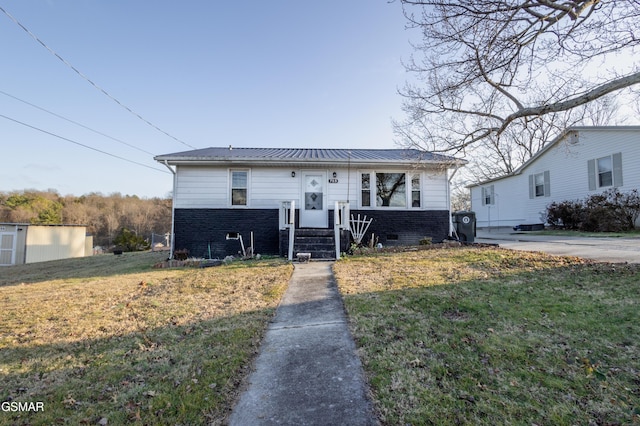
column 338, row 158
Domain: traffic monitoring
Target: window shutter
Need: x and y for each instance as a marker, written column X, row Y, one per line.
column 532, row 186
column 547, row 184
column 492, row 195
column 484, row 195
column 591, row 170
column 617, row 169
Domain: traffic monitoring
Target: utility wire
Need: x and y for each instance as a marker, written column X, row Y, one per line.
column 81, row 144
column 74, row 122
column 53, row 52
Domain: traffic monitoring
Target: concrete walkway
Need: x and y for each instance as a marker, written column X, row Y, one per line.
column 307, row 372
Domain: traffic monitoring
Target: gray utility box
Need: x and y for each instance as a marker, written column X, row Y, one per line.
column 465, row 225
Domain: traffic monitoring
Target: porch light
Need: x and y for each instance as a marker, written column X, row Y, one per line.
column 293, row 174
column 335, row 175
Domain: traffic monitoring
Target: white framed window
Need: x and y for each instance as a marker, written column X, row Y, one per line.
column 365, row 190
column 488, row 195
column 415, row 191
column 539, row 185
column 605, row 171
column 239, row 187
column 389, row 189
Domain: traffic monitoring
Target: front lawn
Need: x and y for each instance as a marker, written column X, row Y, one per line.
column 485, row 336
column 109, row 340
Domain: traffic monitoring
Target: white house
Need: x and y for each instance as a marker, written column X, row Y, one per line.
column 271, row 193
column 580, row 162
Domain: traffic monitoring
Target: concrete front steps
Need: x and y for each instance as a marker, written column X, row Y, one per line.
column 320, row 243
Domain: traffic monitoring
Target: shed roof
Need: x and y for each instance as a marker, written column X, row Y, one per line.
column 306, row 155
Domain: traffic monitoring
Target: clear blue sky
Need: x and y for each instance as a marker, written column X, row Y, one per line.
column 254, row 73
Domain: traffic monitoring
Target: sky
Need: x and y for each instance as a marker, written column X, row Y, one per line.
column 185, row 75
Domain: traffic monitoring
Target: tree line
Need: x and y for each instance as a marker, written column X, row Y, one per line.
column 105, row 216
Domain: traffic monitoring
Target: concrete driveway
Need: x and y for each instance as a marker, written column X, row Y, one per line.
column 604, row 249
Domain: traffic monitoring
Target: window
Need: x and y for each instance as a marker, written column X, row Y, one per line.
column 539, row 185
column 605, row 171
column 487, row 195
column 385, row 189
column 415, row 191
column 239, row 179
column 391, row 190
column 366, row 190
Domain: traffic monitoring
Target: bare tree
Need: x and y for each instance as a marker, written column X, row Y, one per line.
column 495, row 70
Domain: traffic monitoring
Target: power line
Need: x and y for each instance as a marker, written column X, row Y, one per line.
column 75, row 122
column 81, row 144
column 64, row 61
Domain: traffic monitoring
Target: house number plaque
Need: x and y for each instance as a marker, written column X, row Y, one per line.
column 333, row 180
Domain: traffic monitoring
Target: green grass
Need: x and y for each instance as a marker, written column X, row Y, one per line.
column 490, row 336
column 109, row 338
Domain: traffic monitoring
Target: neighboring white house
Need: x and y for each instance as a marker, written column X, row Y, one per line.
column 580, row 162
column 221, row 192
column 22, row 243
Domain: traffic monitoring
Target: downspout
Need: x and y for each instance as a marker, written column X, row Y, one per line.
column 173, row 209
column 451, row 227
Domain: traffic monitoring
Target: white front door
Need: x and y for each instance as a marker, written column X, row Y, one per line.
column 313, row 211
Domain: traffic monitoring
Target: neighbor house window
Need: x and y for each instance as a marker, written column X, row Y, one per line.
column 488, row 196
column 239, row 180
column 391, row 190
column 605, row 171
column 539, row 185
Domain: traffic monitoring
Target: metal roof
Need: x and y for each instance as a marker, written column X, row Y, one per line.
column 306, row 155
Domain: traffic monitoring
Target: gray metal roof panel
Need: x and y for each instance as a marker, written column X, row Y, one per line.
column 306, row 154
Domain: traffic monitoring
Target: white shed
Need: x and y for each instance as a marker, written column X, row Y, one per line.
column 22, row 243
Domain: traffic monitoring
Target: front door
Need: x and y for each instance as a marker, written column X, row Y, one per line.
column 313, row 211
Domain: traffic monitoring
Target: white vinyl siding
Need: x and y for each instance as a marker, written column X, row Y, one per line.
column 200, row 187
column 267, row 187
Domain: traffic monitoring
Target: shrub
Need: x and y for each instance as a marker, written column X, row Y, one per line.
column 610, row 211
column 425, row 241
column 565, row 214
column 129, row 241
